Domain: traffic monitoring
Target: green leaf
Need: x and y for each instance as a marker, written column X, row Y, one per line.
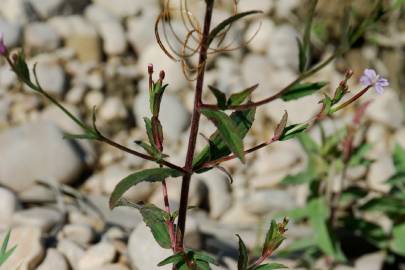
column 149, row 131
column 352, row 195
column 174, row 259
column 298, row 246
column 155, row 218
column 86, row 136
column 280, row 127
column 4, row 253
column 398, row 239
column 299, row 178
column 309, row 145
column 392, row 205
column 301, row 90
column 220, row 96
column 243, row 255
column 148, row 175
column 302, row 56
column 151, row 150
column 306, row 40
column 397, row 180
column 296, row 214
column 21, row 67
column 217, row 147
column 358, row 156
column 270, row 266
column 238, row 98
column 318, row 216
column 202, row 256
column 399, row 158
column 228, row 131
column 293, row 130
column 274, row 237
column 227, row 22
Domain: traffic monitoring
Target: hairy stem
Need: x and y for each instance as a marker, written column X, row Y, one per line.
column 195, row 122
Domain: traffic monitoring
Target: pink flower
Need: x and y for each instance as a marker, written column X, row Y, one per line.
column 3, row 47
column 371, row 78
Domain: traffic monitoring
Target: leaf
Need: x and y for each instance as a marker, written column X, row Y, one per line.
column 274, row 237
column 399, row 158
column 397, row 180
column 148, row 175
column 4, row 253
column 292, row 131
column 306, row 40
column 302, row 56
column 373, row 233
column 217, row 147
column 280, row 127
column 202, row 256
column 86, row 136
column 149, row 131
column 243, row 255
column 220, row 96
column 270, row 266
column 309, row 145
column 358, row 157
column 318, row 215
column 352, row 195
column 21, row 67
column 238, row 98
column 301, row 90
column 299, row 178
column 398, row 239
column 390, row 205
column 227, row 22
column 155, row 218
column 228, row 131
column 174, row 259
column 151, row 150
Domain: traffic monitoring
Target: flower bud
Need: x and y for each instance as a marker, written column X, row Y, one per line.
column 3, row 48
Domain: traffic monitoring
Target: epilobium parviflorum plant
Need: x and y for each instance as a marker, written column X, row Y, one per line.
column 232, row 115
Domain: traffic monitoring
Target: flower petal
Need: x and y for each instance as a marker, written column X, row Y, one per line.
column 383, row 82
column 370, row 73
column 379, row 89
column 365, row 80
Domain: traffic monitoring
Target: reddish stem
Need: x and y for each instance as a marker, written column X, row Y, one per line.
column 195, row 122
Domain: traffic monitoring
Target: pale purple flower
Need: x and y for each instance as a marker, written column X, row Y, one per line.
column 3, row 47
column 370, row 77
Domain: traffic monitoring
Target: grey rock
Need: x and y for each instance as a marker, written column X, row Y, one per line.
column 82, row 234
column 42, row 218
column 91, row 259
column 283, row 51
column 29, row 151
column 380, row 171
column 114, row 266
column 125, row 8
column 72, row 251
column 9, row 204
column 52, row 77
column 80, row 36
column 261, row 40
column 7, row 77
column 262, row 202
column 219, row 195
column 173, row 115
column 248, row 5
column 373, row 261
column 386, row 109
column 46, row 8
column 41, row 36
column 113, row 35
column 53, row 260
column 11, row 32
column 16, row 11
column 37, row 194
column 144, row 252
column 113, row 108
column 29, row 252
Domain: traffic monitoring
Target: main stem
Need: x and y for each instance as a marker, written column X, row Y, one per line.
column 195, row 122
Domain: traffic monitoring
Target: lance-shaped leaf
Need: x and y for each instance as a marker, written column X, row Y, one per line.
column 217, row 147
column 4, row 253
column 148, row 175
column 280, row 127
column 399, row 158
column 228, row 131
column 219, row 95
column 155, row 218
column 243, row 255
column 271, row 266
column 238, row 98
column 274, row 237
column 227, row 22
column 173, row 259
column 21, row 67
column 398, row 239
column 292, row 131
column 304, row 52
column 318, row 215
column 301, row 90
